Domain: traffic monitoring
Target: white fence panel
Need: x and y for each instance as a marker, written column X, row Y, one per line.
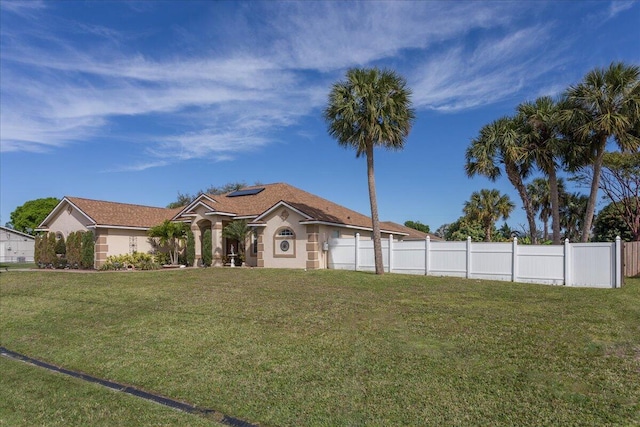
column 492, row 261
column 408, row 257
column 592, row 264
column 342, row 254
column 448, row 259
column 541, row 264
column 573, row 264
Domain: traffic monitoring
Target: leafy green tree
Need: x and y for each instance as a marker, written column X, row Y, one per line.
column 542, row 139
column 239, row 231
column 486, row 207
column 170, row 235
column 417, row 225
column 610, row 223
column 191, row 248
column 371, row 108
column 50, row 250
column 465, row 227
column 28, row 216
column 501, row 143
column 186, row 198
column 87, row 250
column 604, row 106
column 207, row 248
column 182, row 200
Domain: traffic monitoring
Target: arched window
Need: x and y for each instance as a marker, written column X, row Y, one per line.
column 284, row 243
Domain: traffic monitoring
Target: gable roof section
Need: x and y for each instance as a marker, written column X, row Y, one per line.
column 314, row 208
column 113, row 214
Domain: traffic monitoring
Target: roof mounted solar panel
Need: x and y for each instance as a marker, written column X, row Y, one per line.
column 248, row 192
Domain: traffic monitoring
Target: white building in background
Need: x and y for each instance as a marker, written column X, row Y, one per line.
column 16, row 246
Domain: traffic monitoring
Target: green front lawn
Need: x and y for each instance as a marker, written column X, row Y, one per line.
column 282, row 347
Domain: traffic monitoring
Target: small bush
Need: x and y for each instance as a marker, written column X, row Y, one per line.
column 191, row 248
column 207, row 250
column 136, row 260
column 88, row 250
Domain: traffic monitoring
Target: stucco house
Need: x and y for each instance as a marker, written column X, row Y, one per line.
column 16, row 246
column 290, row 226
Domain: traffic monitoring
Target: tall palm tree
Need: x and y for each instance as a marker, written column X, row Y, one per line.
column 605, row 105
column 370, row 108
column 541, row 135
column 500, row 142
column 486, row 207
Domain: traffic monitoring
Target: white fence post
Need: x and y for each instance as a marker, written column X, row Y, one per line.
column 357, row 246
column 468, row 257
column 618, row 263
column 427, row 243
column 514, row 264
column 390, row 252
column 567, row 263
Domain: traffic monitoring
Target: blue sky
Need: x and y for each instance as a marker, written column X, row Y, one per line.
column 137, row 101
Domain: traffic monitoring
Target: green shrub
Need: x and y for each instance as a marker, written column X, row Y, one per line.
column 207, row 250
column 136, row 260
column 61, row 248
column 87, row 251
column 74, row 249
column 191, row 248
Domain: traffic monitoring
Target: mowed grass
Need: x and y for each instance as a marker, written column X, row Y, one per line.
column 285, row 348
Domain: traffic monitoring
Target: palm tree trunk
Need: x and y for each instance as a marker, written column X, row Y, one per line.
column 516, row 181
column 555, row 204
column 593, row 195
column 377, row 245
column 545, row 232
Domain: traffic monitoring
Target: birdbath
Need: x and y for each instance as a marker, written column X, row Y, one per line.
column 233, row 257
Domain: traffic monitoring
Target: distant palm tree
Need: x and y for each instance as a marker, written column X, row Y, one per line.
column 540, row 194
column 370, row 108
column 542, row 138
column 501, row 142
column 572, row 215
column 606, row 104
column 486, row 207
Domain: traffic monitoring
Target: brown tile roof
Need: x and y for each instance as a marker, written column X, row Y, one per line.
column 122, row 214
column 315, row 207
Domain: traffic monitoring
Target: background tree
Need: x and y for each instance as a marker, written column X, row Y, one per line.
column 620, row 183
column 27, row 217
column 207, row 248
column 171, row 235
column 604, row 106
column 417, row 225
column 239, row 231
column 501, row 142
column 184, row 199
column 609, row 224
column 486, row 207
column 572, row 216
column 370, row 108
column 465, row 227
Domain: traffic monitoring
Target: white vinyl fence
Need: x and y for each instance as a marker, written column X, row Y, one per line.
column 573, row 264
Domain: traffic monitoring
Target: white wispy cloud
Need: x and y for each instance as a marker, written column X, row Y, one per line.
column 55, row 91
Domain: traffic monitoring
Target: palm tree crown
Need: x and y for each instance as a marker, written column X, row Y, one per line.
column 487, row 206
column 605, row 105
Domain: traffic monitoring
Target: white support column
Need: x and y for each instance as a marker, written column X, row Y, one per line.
column 567, row 263
column 390, row 253
column 357, row 246
column 468, row 257
column 427, row 244
column 514, row 264
column 618, row 266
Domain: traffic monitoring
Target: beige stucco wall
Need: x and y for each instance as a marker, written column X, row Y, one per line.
column 68, row 220
column 272, row 256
